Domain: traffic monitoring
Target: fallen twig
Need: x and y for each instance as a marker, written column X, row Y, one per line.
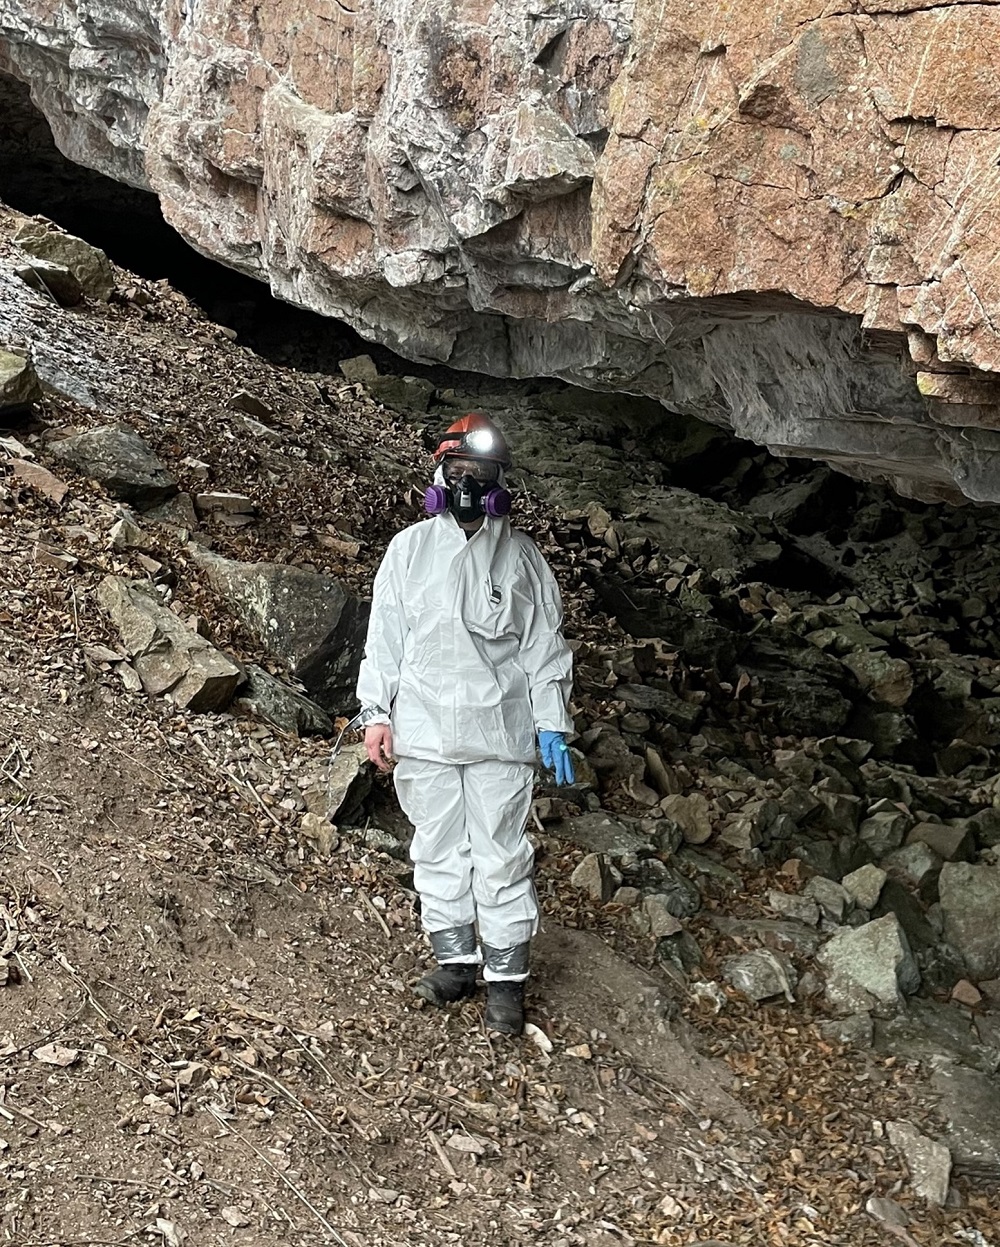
column 378, row 917
column 442, row 1155
column 270, row 1081
column 299, row 1195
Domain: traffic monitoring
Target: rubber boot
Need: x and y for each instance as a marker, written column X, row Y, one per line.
column 453, row 979
column 447, row 984
column 506, row 970
column 505, row 1007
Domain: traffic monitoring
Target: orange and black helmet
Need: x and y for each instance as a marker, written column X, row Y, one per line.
column 474, row 437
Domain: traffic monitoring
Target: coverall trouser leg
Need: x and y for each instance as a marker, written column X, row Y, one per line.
column 472, row 859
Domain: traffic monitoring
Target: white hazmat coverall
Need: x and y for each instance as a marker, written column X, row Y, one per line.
column 465, row 650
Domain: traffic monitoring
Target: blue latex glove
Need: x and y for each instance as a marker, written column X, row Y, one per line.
column 556, row 756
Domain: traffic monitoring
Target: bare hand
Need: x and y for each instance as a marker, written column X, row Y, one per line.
column 378, row 743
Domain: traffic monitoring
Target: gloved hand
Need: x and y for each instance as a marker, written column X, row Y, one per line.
column 556, row 756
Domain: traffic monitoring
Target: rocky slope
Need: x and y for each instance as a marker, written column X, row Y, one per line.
column 776, row 218
column 767, row 998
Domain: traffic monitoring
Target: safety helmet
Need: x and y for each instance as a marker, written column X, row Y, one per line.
column 474, row 437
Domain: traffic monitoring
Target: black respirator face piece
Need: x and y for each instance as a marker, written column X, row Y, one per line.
column 469, row 495
column 466, row 501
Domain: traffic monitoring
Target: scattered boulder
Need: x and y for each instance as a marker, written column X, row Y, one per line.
column 799, row 908
column 20, row 386
column 864, row 885
column 658, row 916
column 970, row 1104
column 89, row 265
column 884, row 831
column 869, row 968
column 601, row 833
column 916, row 866
column 338, row 790
column 953, row 844
column 119, row 459
column 596, row 876
column 55, row 280
column 761, row 975
column 929, row 1162
column 284, row 706
column 692, row 814
column 169, row 659
column 833, row 899
column 886, row 679
column 970, row 908
column 856, row 1030
column 304, row 617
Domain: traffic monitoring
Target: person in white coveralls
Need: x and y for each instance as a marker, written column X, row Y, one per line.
column 464, row 663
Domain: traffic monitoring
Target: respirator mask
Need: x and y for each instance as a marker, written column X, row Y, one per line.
column 468, row 492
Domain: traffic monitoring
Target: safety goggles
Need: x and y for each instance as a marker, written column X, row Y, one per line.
column 484, row 472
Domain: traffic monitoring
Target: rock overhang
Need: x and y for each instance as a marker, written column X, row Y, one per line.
column 778, row 220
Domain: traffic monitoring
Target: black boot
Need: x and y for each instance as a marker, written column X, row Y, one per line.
column 505, row 1007
column 447, row 984
column 452, row 980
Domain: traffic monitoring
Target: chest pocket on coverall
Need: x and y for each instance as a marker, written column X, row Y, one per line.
column 491, row 610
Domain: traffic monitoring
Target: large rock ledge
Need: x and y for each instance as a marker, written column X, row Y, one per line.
column 768, row 213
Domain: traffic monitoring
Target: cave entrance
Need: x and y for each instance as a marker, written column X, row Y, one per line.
column 127, row 224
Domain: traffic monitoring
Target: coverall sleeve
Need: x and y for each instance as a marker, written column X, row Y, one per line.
column 378, row 679
column 545, row 657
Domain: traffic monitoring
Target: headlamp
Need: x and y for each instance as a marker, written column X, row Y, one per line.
column 480, row 440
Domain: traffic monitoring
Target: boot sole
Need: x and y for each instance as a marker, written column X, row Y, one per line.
column 503, row 1028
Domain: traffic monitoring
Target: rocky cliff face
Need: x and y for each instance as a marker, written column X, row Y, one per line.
column 771, row 214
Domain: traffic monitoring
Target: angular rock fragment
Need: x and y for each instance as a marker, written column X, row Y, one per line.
column 660, row 701
column 222, row 502
column 596, row 876
column 761, row 975
column 917, row 866
column 37, row 477
column 339, row 788
column 19, row 383
column 169, row 659
column 888, row 680
column 953, row 844
column 658, row 917
column 832, row 899
column 304, row 617
column 692, row 813
column 884, row 831
column 970, row 907
column 800, row 908
column 601, row 833
column 928, row 1161
column 970, row 1105
column 89, row 265
column 55, row 280
column 856, row 1030
column 864, row 885
column 119, row 459
column 870, row 968
column 284, row 706
column 319, row 831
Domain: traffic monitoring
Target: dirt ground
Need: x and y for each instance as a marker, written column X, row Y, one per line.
column 206, row 1032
